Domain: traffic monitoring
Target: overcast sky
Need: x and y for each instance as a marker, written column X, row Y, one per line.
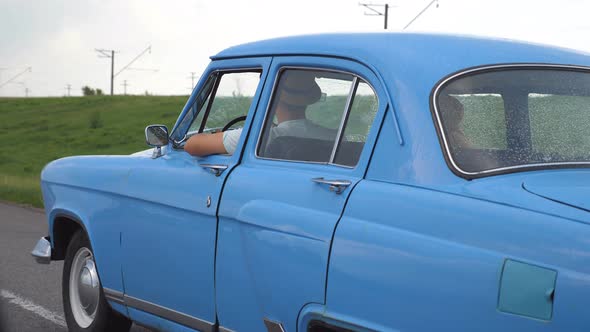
column 57, row 38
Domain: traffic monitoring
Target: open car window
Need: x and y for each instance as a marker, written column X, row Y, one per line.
column 225, row 99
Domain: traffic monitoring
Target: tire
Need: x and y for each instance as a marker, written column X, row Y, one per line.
column 85, row 306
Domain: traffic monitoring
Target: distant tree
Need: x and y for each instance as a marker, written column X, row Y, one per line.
column 147, row 93
column 99, row 92
column 88, row 91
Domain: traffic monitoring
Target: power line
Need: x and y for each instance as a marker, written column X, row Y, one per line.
column 28, row 70
column 148, row 49
column 421, row 12
column 105, row 54
column 375, row 12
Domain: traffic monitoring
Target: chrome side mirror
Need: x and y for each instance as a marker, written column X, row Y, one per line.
column 156, row 136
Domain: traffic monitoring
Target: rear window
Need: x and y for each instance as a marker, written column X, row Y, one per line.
column 515, row 118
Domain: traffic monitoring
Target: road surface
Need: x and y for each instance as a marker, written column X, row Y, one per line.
column 30, row 293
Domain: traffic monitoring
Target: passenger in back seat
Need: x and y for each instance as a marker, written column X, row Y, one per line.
column 452, row 111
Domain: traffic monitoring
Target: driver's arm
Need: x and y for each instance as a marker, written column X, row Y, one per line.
column 205, row 144
column 218, row 143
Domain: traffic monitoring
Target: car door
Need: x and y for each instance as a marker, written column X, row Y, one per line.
column 281, row 204
column 169, row 234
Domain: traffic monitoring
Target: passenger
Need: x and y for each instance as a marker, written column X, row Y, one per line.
column 296, row 91
column 452, row 113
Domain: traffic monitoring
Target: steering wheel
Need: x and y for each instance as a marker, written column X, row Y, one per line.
column 233, row 122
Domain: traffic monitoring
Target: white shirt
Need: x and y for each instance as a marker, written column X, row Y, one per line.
column 297, row 128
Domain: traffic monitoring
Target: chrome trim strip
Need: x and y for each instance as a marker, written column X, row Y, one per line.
column 273, row 326
column 113, row 295
column 178, row 317
column 224, row 329
column 343, row 120
column 485, row 68
column 42, row 251
column 272, row 94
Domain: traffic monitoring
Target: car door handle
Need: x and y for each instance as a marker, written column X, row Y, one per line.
column 336, row 186
column 215, row 169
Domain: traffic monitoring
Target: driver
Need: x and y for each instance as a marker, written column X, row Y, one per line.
column 297, row 89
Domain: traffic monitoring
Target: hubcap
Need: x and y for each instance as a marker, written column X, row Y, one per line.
column 84, row 288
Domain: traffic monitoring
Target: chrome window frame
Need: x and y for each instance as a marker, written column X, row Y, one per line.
column 482, row 69
column 223, row 71
column 356, row 79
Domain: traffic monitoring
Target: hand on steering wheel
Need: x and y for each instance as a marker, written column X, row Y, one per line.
column 233, row 122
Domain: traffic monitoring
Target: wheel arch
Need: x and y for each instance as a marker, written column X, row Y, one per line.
column 315, row 317
column 63, row 225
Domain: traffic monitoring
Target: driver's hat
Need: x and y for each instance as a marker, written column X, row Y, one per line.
column 298, row 88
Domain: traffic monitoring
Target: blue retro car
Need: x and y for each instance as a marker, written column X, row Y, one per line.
column 416, row 182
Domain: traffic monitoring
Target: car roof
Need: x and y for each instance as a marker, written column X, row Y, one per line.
column 410, row 66
column 411, row 52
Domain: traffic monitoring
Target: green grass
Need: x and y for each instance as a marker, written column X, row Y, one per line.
column 39, row 130
column 36, row 131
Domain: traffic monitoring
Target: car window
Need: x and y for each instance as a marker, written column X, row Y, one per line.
column 484, row 121
column 559, row 125
column 309, row 116
column 201, row 101
column 362, row 113
column 233, row 94
column 512, row 118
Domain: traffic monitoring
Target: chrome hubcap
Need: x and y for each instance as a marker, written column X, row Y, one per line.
column 84, row 288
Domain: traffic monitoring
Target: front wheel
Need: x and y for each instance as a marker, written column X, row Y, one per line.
column 85, row 306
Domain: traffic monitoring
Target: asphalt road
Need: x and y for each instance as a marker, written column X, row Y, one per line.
column 30, row 293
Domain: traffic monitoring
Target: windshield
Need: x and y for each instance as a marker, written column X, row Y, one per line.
column 515, row 118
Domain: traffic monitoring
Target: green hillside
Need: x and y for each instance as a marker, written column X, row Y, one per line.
column 44, row 129
column 39, row 130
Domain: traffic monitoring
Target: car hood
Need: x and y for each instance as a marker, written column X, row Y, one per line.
column 569, row 188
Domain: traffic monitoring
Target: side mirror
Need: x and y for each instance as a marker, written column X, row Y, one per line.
column 156, row 136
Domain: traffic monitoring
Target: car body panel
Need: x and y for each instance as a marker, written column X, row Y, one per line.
column 169, row 234
column 570, row 188
column 389, row 264
column 283, row 214
column 409, row 245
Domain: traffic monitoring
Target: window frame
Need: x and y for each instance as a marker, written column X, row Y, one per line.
column 451, row 163
column 343, row 121
column 219, row 74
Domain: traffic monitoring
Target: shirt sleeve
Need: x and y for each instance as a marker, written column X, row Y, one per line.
column 230, row 140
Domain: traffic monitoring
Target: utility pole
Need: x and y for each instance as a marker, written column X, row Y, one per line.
column 421, row 12
column 125, row 87
column 192, row 80
column 105, row 54
column 375, row 12
column 68, row 87
column 27, row 92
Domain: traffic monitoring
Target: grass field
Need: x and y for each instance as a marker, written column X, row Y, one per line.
column 39, row 130
column 36, row 131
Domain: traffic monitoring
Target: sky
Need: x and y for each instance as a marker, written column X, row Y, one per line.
column 57, row 38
